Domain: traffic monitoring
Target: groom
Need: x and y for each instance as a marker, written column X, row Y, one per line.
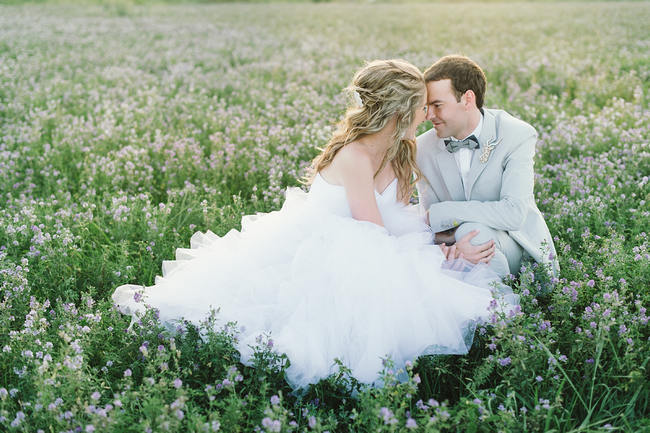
column 478, row 170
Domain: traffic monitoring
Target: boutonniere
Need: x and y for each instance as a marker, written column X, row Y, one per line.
column 487, row 150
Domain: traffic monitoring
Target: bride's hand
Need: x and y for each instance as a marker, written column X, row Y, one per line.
column 452, row 254
column 482, row 253
column 448, row 251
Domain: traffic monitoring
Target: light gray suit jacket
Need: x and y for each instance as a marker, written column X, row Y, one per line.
column 500, row 186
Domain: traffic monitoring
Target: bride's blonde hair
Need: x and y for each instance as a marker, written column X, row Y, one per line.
column 386, row 89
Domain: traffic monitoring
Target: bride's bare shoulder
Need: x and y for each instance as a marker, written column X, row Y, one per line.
column 351, row 161
column 354, row 155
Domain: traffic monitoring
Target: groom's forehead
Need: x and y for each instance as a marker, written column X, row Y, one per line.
column 438, row 89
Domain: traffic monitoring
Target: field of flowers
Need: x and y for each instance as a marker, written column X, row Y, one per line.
column 123, row 130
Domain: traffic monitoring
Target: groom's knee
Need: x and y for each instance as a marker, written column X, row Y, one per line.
column 508, row 254
column 485, row 233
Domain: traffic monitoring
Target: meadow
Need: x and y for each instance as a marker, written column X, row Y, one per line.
column 126, row 128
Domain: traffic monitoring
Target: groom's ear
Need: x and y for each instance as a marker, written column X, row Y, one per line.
column 470, row 99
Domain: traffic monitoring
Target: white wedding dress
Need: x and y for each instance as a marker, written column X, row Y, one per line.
column 326, row 286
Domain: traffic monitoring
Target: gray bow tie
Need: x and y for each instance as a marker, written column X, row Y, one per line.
column 470, row 142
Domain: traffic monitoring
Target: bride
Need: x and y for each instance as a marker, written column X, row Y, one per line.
column 347, row 270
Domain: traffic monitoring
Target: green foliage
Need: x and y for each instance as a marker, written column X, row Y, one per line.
column 125, row 127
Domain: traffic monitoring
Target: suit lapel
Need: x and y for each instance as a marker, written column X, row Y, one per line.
column 487, row 138
column 448, row 170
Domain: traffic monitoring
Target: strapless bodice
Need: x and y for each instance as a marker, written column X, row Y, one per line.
column 397, row 217
column 333, row 198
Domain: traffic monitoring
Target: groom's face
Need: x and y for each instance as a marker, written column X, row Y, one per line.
column 449, row 116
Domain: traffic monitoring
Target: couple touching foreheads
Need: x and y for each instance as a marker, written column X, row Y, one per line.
column 474, row 168
column 352, row 271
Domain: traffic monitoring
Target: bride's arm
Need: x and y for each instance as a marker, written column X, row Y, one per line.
column 358, row 180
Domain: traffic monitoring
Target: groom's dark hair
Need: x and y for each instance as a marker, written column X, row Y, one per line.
column 464, row 74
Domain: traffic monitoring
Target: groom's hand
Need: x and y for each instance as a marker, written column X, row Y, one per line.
column 482, row 253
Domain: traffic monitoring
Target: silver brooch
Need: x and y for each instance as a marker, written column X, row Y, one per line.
column 487, row 150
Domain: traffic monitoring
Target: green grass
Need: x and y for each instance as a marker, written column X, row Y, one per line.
column 125, row 128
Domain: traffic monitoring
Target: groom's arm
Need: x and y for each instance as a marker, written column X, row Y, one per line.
column 507, row 213
column 427, row 196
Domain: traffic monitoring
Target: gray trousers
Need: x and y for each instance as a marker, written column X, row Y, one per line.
column 508, row 254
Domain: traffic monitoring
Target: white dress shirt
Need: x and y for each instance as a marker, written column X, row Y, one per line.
column 464, row 156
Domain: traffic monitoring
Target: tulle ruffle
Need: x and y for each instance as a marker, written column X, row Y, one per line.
column 326, row 286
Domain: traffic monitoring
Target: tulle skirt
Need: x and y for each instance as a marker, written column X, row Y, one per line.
column 326, row 287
